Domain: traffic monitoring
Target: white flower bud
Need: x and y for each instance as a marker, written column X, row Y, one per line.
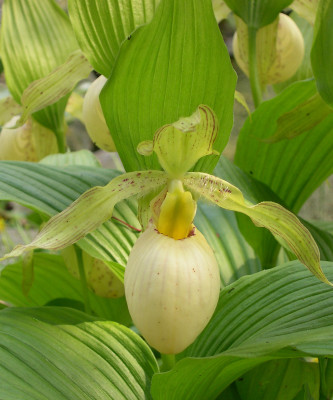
column 93, row 116
column 172, row 288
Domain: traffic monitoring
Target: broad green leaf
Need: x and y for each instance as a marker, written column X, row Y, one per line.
column 62, row 354
column 101, row 27
column 90, row 210
column 163, row 73
column 326, row 369
column 301, row 119
column 323, row 239
column 81, row 157
column 259, row 13
column 27, row 272
column 51, row 88
column 322, row 50
column 283, row 312
column 49, row 190
column 8, row 109
column 36, row 37
column 272, row 216
column 293, row 169
column 233, row 254
column 255, row 192
column 53, row 282
column 280, row 380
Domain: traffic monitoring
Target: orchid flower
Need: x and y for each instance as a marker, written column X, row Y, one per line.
column 172, row 278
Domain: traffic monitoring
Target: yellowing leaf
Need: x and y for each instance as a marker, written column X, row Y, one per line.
column 61, row 81
column 272, row 216
column 90, row 210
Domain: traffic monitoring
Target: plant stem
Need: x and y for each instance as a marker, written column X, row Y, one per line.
column 253, row 67
column 169, row 360
column 61, row 141
column 83, row 279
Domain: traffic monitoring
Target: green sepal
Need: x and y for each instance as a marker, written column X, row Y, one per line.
column 51, row 88
column 181, row 144
column 90, row 210
column 272, row 216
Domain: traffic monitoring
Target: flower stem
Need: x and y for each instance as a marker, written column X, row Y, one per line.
column 169, row 360
column 61, row 141
column 253, row 67
column 83, row 280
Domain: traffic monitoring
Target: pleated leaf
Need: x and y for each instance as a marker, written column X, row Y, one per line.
column 259, row 13
column 293, row 169
column 36, row 37
column 51, row 88
column 49, row 190
column 281, row 380
column 283, row 312
column 53, row 284
column 58, row 353
column 234, row 255
column 101, row 27
column 163, row 73
column 322, row 50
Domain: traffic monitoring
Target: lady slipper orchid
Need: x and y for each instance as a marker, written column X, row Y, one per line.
column 172, row 278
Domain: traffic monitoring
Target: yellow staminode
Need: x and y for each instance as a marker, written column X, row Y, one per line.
column 177, row 212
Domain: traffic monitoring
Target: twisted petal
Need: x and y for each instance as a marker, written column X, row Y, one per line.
column 90, row 210
column 272, row 216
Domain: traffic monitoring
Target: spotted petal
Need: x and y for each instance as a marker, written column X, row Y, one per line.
column 90, row 210
column 272, row 216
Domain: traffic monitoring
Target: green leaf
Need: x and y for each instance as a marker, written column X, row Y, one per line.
column 280, row 380
column 36, row 37
column 321, row 53
column 170, row 80
column 101, row 27
column 323, row 239
column 52, row 87
column 272, row 216
column 301, row 119
column 49, row 190
column 233, row 254
column 81, row 157
column 58, row 353
column 283, row 312
column 90, row 210
column 293, row 169
column 52, row 282
column 259, row 13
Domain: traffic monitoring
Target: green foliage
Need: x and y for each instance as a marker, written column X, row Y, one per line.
column 271, row 335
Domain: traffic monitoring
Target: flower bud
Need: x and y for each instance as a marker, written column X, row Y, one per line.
column 29, row 142
column 289, row 50
column 172, row 288
column 100, row 279
column 93, row 116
